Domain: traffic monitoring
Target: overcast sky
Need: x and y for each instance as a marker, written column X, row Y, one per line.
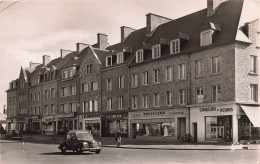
column 30, row 29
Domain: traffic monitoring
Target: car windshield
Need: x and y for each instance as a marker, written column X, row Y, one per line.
column 85, row 136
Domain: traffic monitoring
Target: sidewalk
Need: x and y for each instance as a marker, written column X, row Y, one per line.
column 128, row 143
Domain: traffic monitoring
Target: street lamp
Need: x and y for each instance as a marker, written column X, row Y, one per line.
column 53, row 127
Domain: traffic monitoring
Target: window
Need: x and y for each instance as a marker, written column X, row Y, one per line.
column 134, row 80
column 31, row 95
column 139, row 56
column 168, row 74
column 120, row 57
column 46, row 93
column 64, row 91
column 109, row 61
column 156, row 76
column 72, row 107
column 254, row 92
column 39, row 96
column 121, row 82
column 109, row 104
column 65, row 74
column 35, row 97
column 52, row 92
column 216, row 93
column 199, row 95
column 52, row 75
column 169, row 98
column 156, row 51
column 175, row 46
column 109, row 84
column 46, row 109
column 134, row 102
column 182, row 97
column 156, row 99
column 182, row 71
column 85, row 106
column 206, row 38
column 22, row 85
column 84, row 87
column 120, row 102
column 215, row 65
column 72, row 90
column 145, row 101
column 94, row 85
column 52, row 108
column 93, row 106
column 89, row 69
column 145, row 78
column 198, row 68
column 35, row 81
column 253, row 64
column 70, row 73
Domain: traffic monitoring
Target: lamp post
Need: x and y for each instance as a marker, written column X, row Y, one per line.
column 53, row 127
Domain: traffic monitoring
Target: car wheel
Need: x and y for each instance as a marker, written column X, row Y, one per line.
column 79, row 150
column 97, row 151
column 63, row 149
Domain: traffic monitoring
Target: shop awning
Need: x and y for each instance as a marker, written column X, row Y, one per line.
column 253, row 113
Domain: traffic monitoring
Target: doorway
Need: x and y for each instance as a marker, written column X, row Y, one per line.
column 181, row 126
column 195, row 132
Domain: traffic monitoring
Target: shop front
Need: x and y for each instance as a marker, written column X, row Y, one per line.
column 111, row 122
column 172, row 123
column 11, row 124
column 65, row 123
column 33, row 124
column 224, row 123
column 49, row 125
column 92, row 123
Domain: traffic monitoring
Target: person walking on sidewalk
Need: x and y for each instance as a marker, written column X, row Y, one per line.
column 118, row 137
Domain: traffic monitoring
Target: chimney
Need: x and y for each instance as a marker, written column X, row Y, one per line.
column 212, row 6
column 63, row 52
column 153, row 20
column 4, row 111
column 102, row 41
column 45, row 59
column 81, row 46
column 33, row 65
column 125, row 31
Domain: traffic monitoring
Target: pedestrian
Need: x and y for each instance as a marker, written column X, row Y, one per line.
column 118, row 137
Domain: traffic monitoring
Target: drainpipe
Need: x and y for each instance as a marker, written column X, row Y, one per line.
column 128, row 92
column 189, row 88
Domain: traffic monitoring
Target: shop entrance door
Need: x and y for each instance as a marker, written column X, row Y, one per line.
column 181, row 127
column 195, row 132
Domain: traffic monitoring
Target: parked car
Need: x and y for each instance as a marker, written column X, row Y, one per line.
column 79, row 141
column 14, row 134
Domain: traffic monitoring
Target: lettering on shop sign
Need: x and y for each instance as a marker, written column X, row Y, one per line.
column 175, row 113
column 154, row 113
column 157, row 113
column 215, row 109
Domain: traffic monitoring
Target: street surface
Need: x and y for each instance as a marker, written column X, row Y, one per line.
column 13, row 152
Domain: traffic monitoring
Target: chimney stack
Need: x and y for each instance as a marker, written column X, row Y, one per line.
column 102, row 40
column 81, row 46
column 153, row 20
column 45, row 59
column 33, row 65
column 63, row 52
column 125, row 31
column 212, row 6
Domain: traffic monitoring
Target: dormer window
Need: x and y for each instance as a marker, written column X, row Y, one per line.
column 68, row 73
column 175, row 46
column 35, row 81
column 139, row 56
column 120, row 57
column 89, row 69
column 206, row 38
column 156, row 51
column 109, row 61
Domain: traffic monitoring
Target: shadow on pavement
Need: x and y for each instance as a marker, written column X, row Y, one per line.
column 67, row 153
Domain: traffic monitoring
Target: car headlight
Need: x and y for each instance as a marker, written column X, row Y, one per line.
column 85, row 144
column 99, row 143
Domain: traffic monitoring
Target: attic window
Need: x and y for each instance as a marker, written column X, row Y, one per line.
column 120, row 57
column 109, row 61
column 139, row 56
column 206, row 38
column 156, row 51
column 175, row 46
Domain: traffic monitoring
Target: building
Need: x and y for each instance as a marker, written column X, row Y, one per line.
column 196, row 75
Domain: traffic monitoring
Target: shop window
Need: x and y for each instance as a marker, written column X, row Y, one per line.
column 199, row 95
column 156, row 129
column 254, row 92
column 216, row 93
column 219, row 128
column 215, row 65
column 198, row 68
column 246, row 130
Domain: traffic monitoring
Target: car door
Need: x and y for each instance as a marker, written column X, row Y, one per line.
column 68, row 141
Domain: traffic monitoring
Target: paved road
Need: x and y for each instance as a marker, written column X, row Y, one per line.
column 13, row 152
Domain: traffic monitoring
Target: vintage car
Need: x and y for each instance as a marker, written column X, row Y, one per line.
column 14, row 134
column 79, row 141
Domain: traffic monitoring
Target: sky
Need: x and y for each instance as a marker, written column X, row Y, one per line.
column 31, row 29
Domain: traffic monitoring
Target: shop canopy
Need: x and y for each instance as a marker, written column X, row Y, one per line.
column 253, row 113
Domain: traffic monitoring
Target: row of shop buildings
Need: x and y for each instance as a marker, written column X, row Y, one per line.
column 196, row 75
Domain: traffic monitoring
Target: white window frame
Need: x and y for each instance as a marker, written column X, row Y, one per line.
column 169, row 98
column 53, row 94
column 94, row 85
column 253, row 64
column 46, row 96
column 201, row 38
column 139, row 56
column 198, row 68
column 109, row 104
column 107, row 61
column 135, row 102
column 156, row 76
column 199, row 95
column 84, row 87
column 89, row 68
column 145, row 78
column 120, row 102
column 218, row 94
column 218, row 65
column 168, row 73
column 156, row 99
column 145, row 100
column 156, row 51
column 182, row 97
column 120, row 57
column 85, row 106
column 134, row 80
column 254, row 92
column 175, row 46
column 182, row 71
column 121, row 81
column 109, row 84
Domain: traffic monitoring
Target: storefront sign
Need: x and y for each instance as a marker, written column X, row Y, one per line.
column 215, row 109
column 158, row 113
